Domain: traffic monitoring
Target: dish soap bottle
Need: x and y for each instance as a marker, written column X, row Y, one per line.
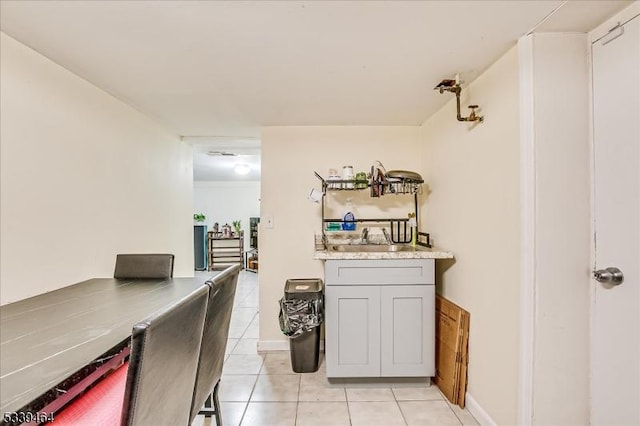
column 348, row 219
column 413, row 224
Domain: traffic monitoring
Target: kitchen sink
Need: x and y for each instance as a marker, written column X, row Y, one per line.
column 372, row 248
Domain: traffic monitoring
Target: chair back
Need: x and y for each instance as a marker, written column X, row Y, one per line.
column 143, row 266
column 215, row 335
column 164, row 362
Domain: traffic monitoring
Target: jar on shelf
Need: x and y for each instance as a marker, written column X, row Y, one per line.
column 333, row 176
column 348, row 175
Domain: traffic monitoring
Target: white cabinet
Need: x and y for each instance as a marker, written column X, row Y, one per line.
column 352, row 334
column 380, row 318
column 407, row 334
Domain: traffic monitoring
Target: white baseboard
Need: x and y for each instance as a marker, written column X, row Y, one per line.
column 273, row 345
column 278, row 345
column 478, row 412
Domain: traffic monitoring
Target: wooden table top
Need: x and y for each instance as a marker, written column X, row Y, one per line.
column 47, row 338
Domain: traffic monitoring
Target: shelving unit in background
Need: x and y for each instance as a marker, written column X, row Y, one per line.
column 251, row 256
column 224, row 252
column 253, row 232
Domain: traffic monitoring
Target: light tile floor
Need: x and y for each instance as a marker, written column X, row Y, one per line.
column 262, row 389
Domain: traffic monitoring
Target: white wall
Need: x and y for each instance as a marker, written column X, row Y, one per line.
column 83, row 177
column 555, row 85
column 224, row 202
column 289, row 157
column 473, row 210
column 474, row 176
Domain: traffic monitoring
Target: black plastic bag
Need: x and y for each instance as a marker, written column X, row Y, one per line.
column 298, row 316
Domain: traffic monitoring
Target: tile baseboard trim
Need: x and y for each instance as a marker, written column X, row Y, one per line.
column 278, row 345
column 478, row 412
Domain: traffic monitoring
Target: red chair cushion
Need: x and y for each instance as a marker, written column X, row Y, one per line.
column 100, row 405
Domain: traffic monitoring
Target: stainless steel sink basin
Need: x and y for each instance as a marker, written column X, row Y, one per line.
column 371, row 248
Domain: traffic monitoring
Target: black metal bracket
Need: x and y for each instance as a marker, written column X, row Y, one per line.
column 399, row 227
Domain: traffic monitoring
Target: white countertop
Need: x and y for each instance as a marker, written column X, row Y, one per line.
column 418, row 252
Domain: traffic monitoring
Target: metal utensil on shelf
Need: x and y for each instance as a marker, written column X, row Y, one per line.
column 378, row 179
column 400, row 231
column 405, row 174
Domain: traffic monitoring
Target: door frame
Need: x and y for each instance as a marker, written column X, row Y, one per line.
column 527, row 232
column 553, row 132
column 527, row 327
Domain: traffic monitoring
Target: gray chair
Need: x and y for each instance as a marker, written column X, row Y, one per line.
column 164, row 362
column 214, row 343
column 143, row 266
column 157, row 386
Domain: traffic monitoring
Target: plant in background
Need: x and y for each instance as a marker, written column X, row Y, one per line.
column 237, row 226
column 199, row 217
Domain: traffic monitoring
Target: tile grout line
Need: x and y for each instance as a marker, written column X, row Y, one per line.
column 450, row 407
column 346, row 398
column 454, row 413
column 253, row 388
column 246, row 407
column 404, row 419
column 295, row 421
column 395, row 398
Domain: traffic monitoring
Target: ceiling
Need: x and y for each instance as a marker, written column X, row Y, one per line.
column 214, row 158
column 216, row 71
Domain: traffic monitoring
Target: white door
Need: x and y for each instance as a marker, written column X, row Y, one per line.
column 615, row 344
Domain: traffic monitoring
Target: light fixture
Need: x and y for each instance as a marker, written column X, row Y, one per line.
column 242, row 169
column 221, row 154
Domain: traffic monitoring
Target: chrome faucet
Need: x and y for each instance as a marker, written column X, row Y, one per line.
column 386, row 236
column 365, row 236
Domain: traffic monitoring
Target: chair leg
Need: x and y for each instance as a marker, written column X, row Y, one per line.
column 207, row 403
column 216, row 405
column 209, row 411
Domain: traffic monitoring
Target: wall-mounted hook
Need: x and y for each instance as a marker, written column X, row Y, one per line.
column 454, row 87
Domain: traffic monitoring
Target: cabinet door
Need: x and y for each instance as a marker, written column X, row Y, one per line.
column 407, row 331
column 352, row 342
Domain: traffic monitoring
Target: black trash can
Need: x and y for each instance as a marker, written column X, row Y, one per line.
column 301, row 314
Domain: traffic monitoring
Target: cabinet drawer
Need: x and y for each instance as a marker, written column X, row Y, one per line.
column 379, row 271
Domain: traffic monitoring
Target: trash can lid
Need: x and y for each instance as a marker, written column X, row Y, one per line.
column 303, row 286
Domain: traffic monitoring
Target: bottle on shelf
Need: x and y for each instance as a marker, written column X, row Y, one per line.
column 413, row 225
column 348, row 219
